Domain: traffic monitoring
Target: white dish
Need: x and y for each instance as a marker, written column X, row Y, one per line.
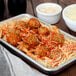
column 70, row 23
column 50, row 18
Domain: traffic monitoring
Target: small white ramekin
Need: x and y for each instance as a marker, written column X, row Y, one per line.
column 71, row 24
column 49, row 18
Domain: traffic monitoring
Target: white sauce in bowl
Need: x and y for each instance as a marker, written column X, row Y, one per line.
column 49, row 9
column 71, row 13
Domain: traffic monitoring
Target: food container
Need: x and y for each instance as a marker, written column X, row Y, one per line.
column 52, row 17
column 71, row 24
column 29, row 59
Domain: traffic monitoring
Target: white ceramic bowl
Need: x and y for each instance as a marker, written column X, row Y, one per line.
column 70, row 23
column 51, row 18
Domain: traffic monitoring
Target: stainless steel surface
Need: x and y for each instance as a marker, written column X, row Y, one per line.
column 30, row 60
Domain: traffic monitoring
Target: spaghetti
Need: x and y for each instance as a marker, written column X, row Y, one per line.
column 45, row 44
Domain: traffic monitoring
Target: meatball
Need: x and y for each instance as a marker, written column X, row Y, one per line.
column 34, row 23
column 16, row 26
column 56, row 35
column 43, row 31
column 31, row 39
column 12, row 38
column 40, row 51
